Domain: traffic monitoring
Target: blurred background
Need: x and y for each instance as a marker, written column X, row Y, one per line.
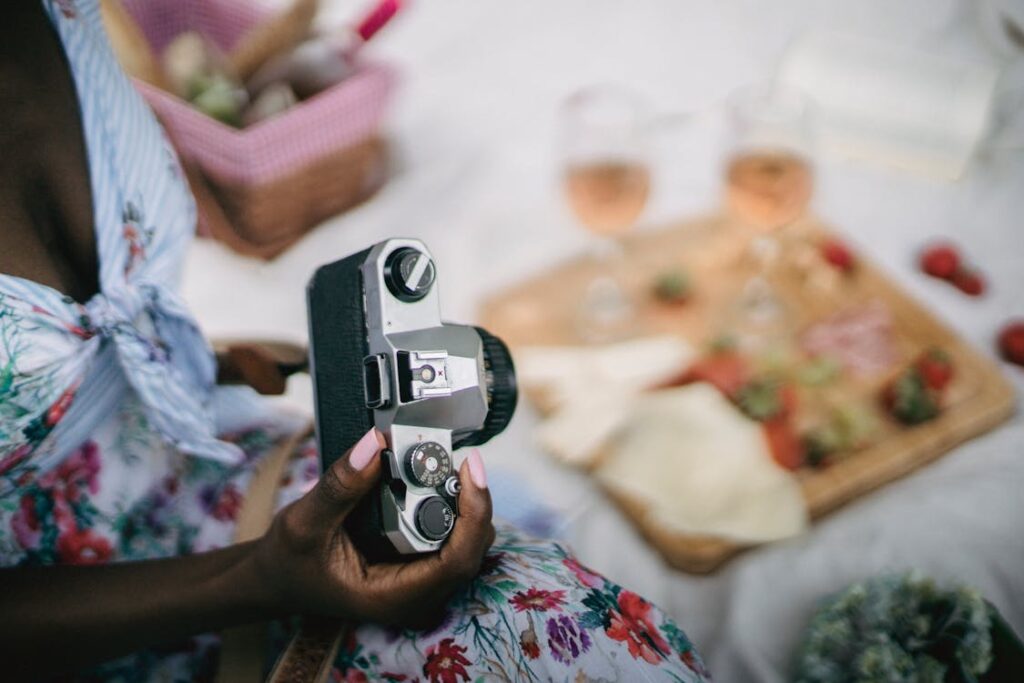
column 517, row 137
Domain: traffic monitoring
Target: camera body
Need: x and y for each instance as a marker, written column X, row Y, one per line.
column 381, row 356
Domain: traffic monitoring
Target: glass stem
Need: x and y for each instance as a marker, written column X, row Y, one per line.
column 606, row 309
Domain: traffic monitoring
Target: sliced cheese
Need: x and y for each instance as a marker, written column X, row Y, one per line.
column 703, row 468
column 571, row 372
column 579, row 430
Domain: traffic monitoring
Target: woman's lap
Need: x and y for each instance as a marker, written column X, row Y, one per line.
column 533, row 613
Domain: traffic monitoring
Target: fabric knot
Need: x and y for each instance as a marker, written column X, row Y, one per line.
column 111, row 310
column 167, row 362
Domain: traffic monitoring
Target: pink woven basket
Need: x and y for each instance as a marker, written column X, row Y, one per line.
column 263, row 155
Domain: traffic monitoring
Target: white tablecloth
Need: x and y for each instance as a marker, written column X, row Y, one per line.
column 474, row 128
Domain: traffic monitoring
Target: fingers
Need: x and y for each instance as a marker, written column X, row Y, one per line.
column 343, row 484
column 411, row 594
column 415, row 594
column 459, row 559
column 473, row 532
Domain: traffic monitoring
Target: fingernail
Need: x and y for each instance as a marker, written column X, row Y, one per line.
column 367, row 447
column 476, row 469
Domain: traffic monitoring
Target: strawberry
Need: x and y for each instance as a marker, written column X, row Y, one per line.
column 1011, row 341
column 936, row 368
column 783, row 443
column 727, row 371
column 789, row 399
column 940, row 260
column 908, row 399
column 969, row 282
column 838, row 254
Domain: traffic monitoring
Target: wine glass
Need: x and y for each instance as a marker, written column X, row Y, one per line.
column 768, row 188
column 607, row 182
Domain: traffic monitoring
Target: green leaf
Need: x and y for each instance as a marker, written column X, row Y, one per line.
column 7, row 377
column 600, row 604
column 506, row 585
column 592, row 619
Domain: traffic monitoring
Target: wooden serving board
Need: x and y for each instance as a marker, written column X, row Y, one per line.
column 541, row 311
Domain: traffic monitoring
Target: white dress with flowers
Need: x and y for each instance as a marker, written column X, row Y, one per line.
column 116, row 445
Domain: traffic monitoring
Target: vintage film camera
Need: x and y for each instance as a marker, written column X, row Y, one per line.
column 380, row 355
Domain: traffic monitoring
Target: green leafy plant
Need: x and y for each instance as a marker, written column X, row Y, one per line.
column 898, row 628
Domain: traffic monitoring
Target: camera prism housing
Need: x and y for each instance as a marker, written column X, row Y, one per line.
column 381, row 356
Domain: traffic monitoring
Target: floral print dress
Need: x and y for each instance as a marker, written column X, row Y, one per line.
column 116, row 445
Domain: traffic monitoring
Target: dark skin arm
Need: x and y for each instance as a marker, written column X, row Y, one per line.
column 263, row 365
column 58, row 619
column 89, row 614
column 46, row 210
column 305, row 564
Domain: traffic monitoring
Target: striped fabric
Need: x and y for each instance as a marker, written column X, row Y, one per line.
column 59, row 357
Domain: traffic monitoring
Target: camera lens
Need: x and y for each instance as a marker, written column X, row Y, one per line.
column 502, row 392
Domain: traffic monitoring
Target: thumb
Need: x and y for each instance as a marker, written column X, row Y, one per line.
column 429, row 580
column 345, row 482
column 473, row 532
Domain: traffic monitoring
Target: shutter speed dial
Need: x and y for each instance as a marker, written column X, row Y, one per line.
column 428, row 464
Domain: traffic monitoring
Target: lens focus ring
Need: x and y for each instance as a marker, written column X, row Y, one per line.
column 502, row 392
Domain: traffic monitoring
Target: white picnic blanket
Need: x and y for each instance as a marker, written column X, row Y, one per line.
column 478, row 181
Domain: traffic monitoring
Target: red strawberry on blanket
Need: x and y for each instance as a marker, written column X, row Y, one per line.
column 1011, row 342
column 969, row 282
column 943, row 260
column 940, row 260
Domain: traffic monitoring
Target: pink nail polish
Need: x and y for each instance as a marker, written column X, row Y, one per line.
column 367, row 447
column 476, row 469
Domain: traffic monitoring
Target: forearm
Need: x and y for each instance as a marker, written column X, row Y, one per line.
column 64, row 617
column 265, row 366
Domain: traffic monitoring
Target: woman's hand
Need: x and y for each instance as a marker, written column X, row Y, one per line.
column 263, row 365
column 304, row 564
column 311, row 566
